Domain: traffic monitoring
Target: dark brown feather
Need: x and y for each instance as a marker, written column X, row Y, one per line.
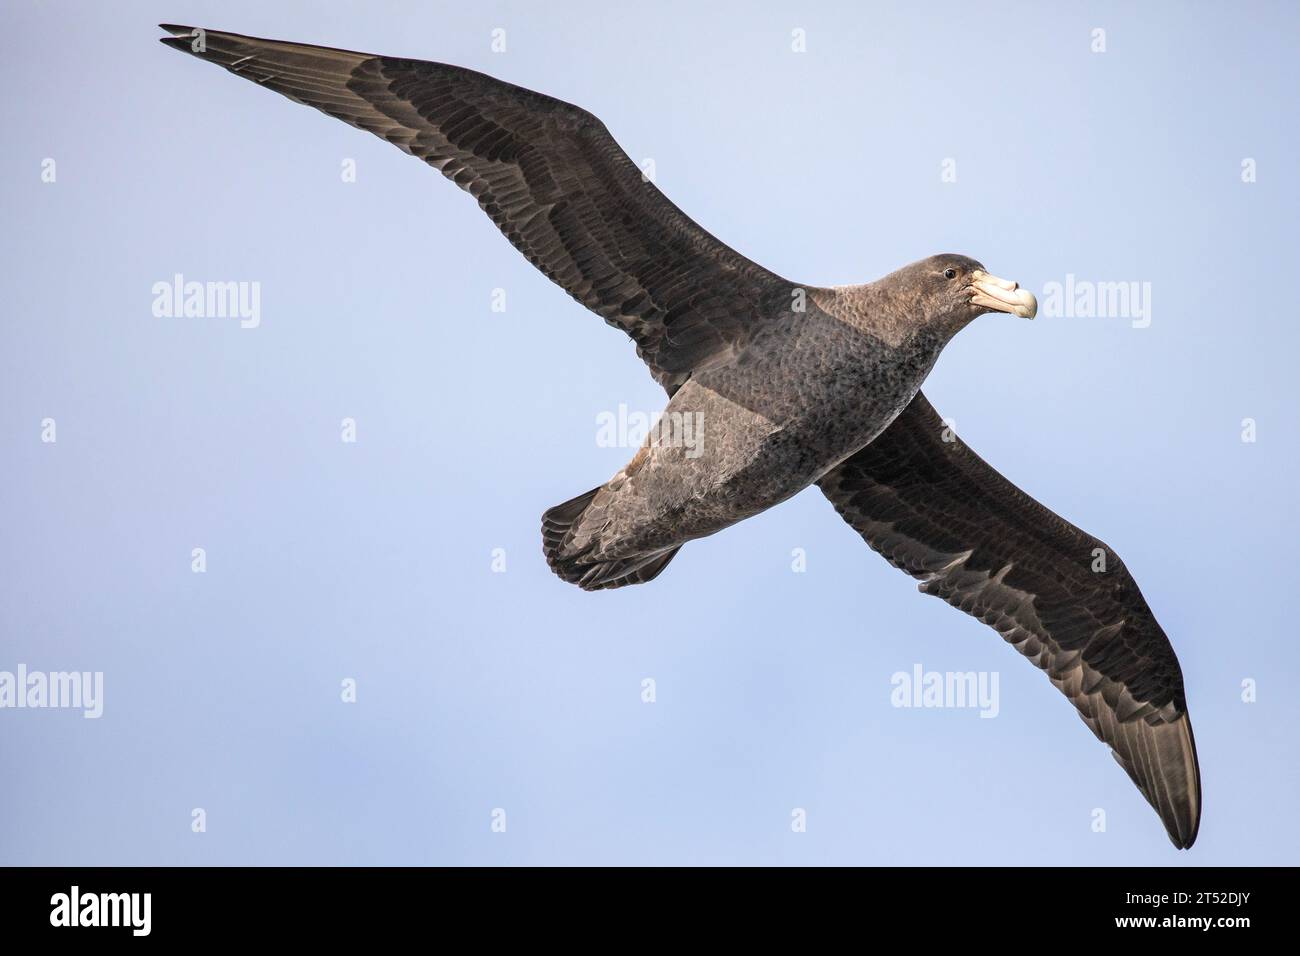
column 553, row 180
column 936, row 510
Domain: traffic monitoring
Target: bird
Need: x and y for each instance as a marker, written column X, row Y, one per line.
column 794, row 385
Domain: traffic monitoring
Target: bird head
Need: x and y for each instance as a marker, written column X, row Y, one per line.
column 954, row 289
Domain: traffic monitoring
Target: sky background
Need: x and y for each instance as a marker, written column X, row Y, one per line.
column 373, row 560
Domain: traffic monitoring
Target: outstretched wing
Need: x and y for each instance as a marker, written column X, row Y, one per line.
column 936, row 510
column 550, row 176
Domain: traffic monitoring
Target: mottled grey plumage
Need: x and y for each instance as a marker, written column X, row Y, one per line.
column 808, row 389
column 793, row 385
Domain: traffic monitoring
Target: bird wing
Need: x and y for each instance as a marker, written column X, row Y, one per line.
column 553, row 180
column 935, row 509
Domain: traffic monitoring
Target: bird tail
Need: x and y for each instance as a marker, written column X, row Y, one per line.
column 579, row 568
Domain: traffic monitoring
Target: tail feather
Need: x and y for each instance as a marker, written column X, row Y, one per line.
column 557, row 521
column 579, row 568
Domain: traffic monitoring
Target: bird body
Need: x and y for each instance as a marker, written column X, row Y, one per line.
column 815, row 386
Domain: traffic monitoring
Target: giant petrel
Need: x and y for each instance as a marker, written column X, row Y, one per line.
column 794, row 384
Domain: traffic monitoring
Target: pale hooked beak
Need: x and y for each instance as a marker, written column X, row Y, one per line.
column 1002, row 295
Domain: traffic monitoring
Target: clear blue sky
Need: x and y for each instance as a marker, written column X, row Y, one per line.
column 373, row 560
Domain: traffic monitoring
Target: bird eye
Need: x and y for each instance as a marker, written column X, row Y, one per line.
column 950, row 273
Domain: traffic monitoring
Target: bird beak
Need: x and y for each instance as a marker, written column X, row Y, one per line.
column 1002, row 295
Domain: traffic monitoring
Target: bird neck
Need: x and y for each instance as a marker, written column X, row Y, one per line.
column 879, row 313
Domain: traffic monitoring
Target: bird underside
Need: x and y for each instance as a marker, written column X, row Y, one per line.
column 562, row 191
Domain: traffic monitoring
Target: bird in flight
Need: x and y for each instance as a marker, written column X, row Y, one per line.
column 793, row 384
